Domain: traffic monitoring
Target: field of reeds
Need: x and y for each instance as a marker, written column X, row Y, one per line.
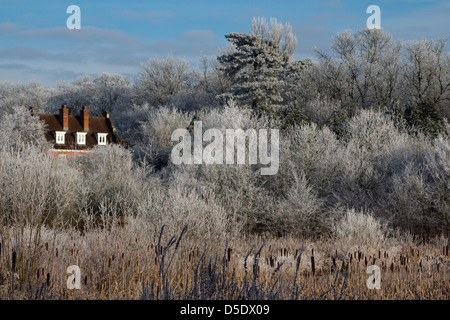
column 122, row 262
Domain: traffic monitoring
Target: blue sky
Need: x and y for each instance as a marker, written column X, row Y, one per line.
column 116, row 36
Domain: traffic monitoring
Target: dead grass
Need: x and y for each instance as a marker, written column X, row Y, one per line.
column 124, row 263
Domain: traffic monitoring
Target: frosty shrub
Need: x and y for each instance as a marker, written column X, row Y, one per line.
column 311, row 152
column 35, row 190
column 106, row 92
column 230, row 116
column 31, row 94
column 300, row 214
column 176, row 204
column 149, row 133
column 321, row 110
column 19, row 128
column 161, row 123
column 238, row 189
column 160, row 80
column 372, row 134
column 127, row 118
column 359, row 228
column 420, row 198
column 111, row 177
column 365, row 158
column 155, row 133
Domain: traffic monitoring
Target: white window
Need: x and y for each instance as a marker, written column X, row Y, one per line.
column 81, row 137
column 60, row 137
column 101, row 138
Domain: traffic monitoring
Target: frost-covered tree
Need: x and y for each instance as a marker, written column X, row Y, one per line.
column 212, row 81
column 31, row 94
column 278, row 34
column 160, row 80
column 363, row 70
column 426, row 117
column 20, row 128
column 106, row 92
column 292, row 78
column 426, row 72
column 150, row 135
column 113, row 182
column 74, row 94
column 257, row 64
column 256, row 67
column 111, row 91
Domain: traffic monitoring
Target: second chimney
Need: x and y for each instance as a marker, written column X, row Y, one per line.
column 84, row 117
column 64, row 117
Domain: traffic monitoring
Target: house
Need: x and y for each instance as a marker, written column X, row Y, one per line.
column 72, row 135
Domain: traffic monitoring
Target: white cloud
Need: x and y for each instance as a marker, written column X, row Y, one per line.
column 332, row 4
column 59, row 53
column 86, row 35
column 198, row 35
column 30, row 54
column 47, row 76
column 432, row 22
column 155, row 16
column 8, row 26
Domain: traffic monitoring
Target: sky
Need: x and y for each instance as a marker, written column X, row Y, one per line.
column 117, row 36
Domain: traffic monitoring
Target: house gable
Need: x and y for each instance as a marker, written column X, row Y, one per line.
column 77, row 125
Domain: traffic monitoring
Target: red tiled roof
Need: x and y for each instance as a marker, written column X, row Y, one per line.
column 96, row 125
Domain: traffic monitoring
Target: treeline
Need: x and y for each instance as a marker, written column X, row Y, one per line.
column 366, row 69
column 364, row 136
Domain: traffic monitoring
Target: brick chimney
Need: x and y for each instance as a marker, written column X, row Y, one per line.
column 84, row 116
column 64, row 117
